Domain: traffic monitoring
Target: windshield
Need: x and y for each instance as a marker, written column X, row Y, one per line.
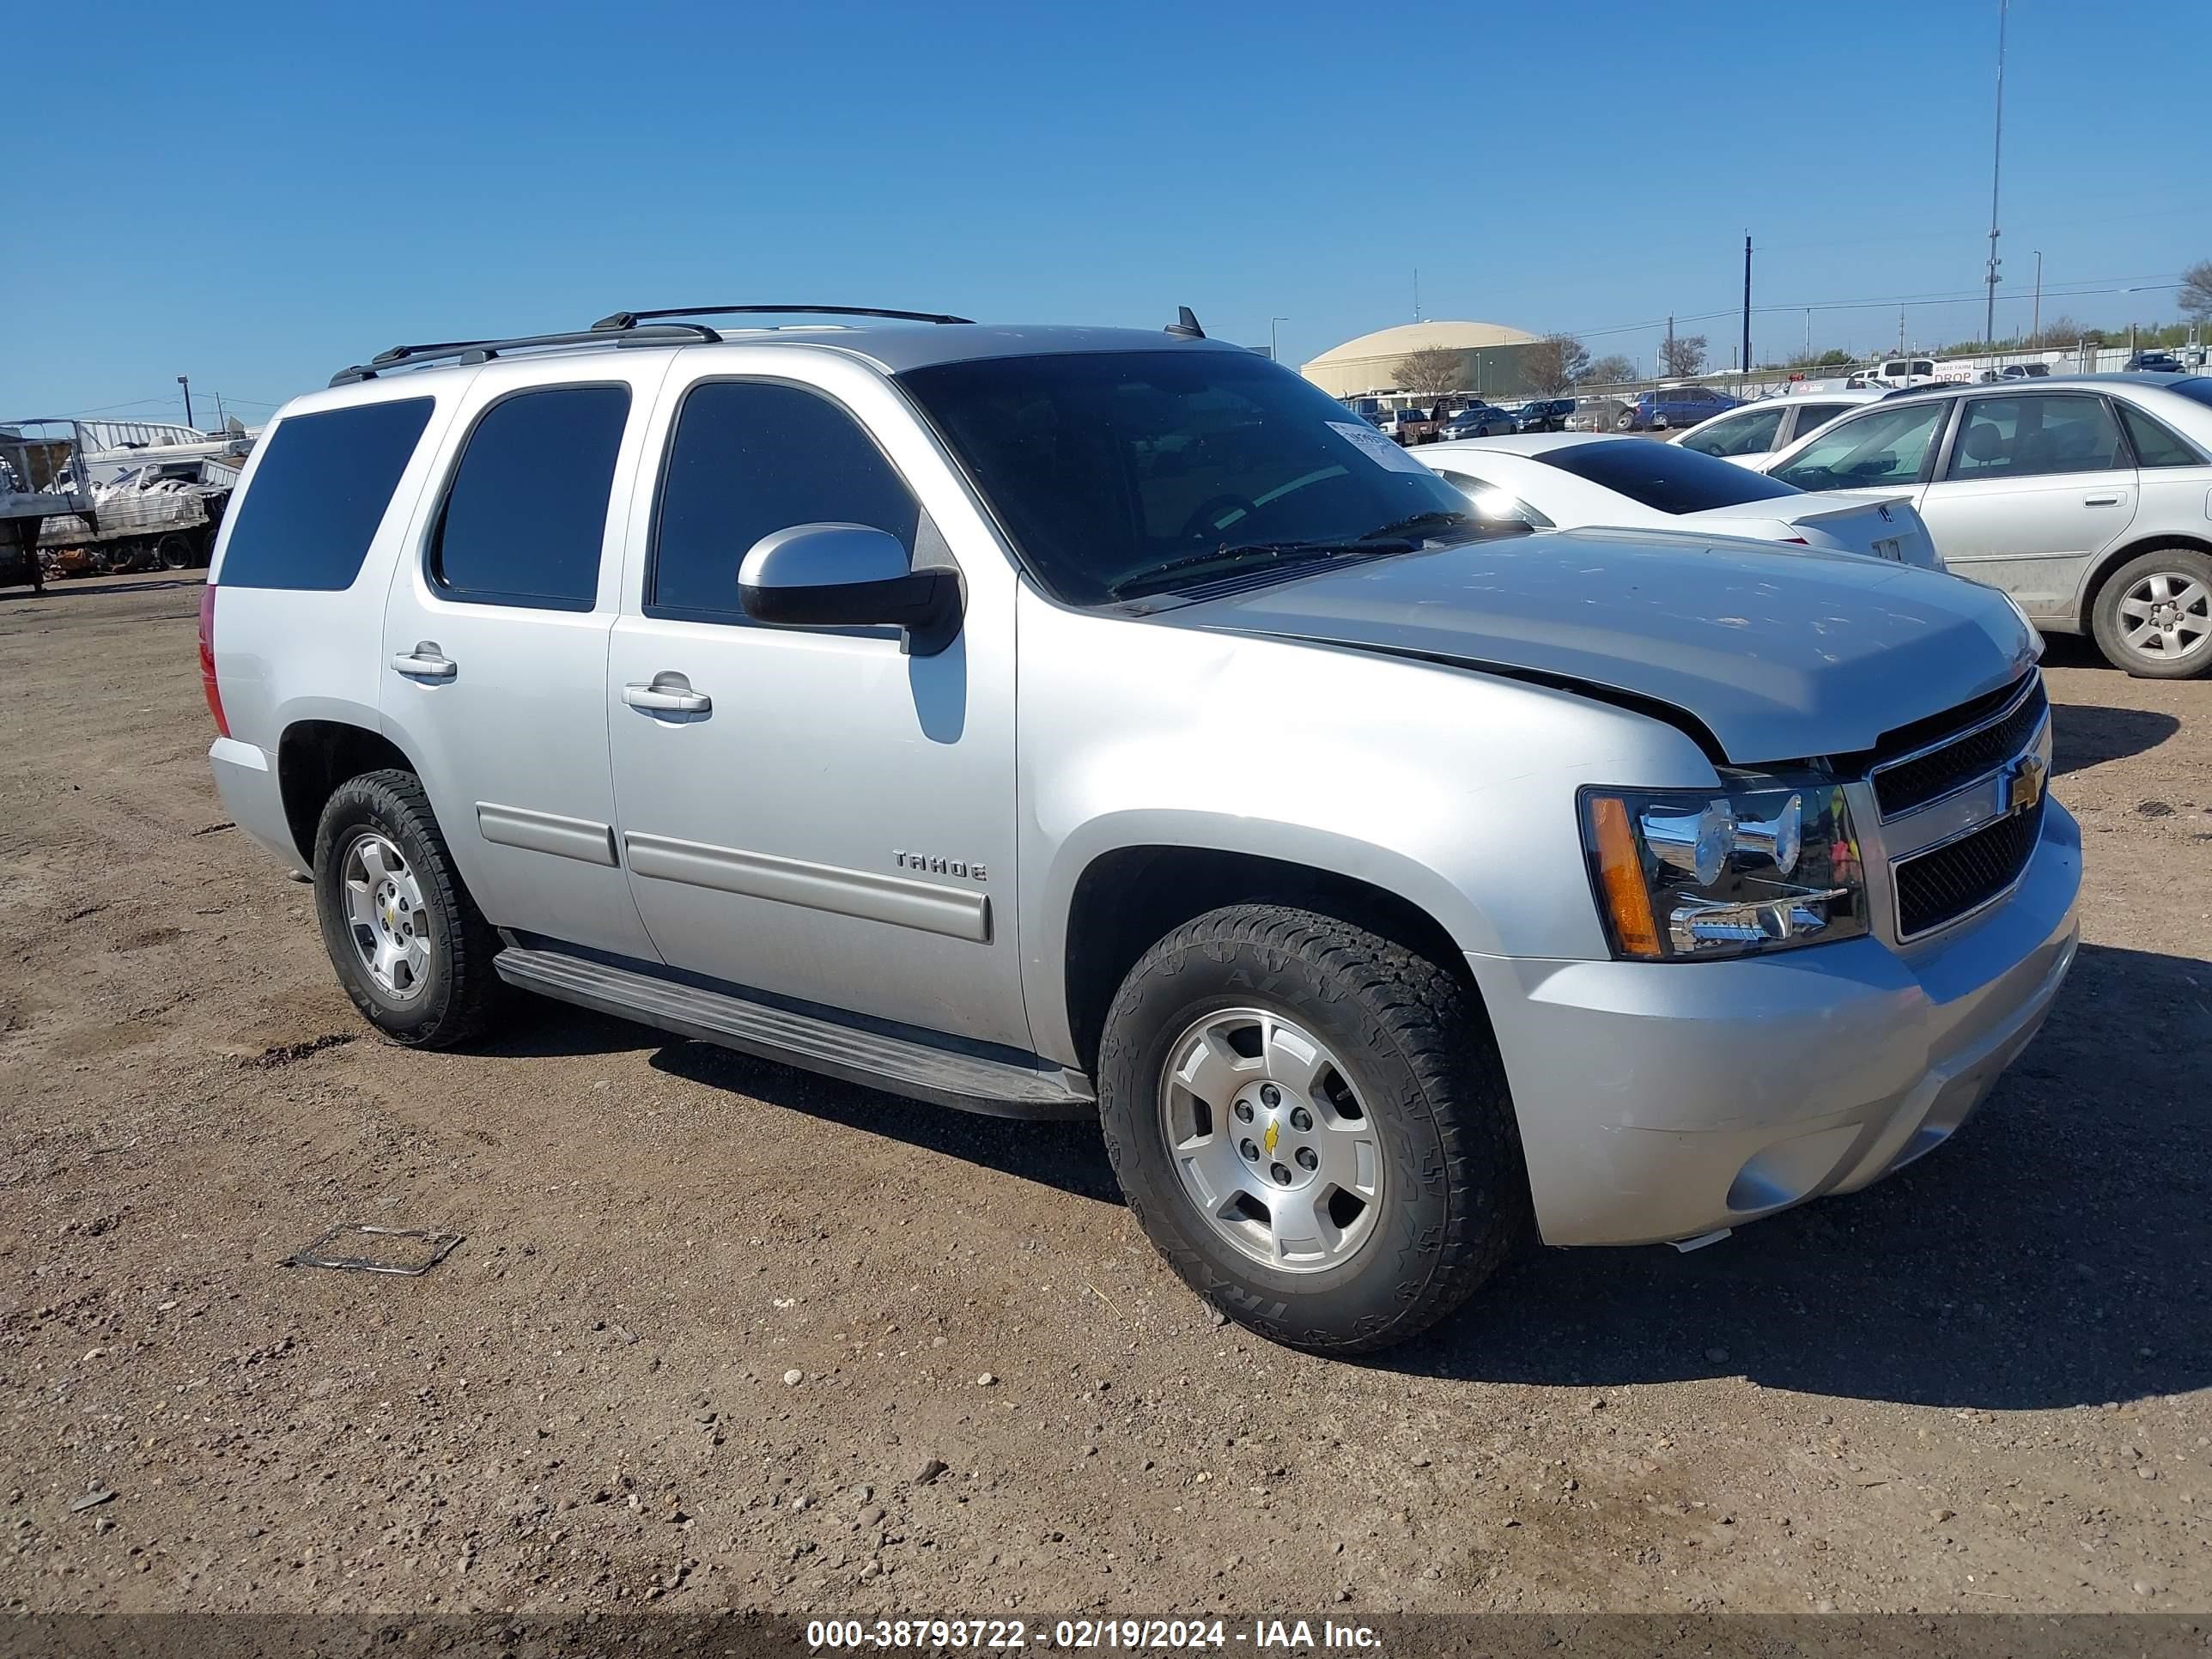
column 1887, row 446
column 1665, row 477
column 1106, row 468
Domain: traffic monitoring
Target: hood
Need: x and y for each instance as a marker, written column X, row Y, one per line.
column 1778, row 655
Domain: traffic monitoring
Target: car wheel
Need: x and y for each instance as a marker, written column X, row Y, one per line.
column 2154, row 615
column 1624, row 423
column 410, row 945
column 1311, row 1124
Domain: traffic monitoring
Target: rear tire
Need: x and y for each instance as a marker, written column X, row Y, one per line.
column 409, row 944
column 1371, row 1062
column 2153, row 617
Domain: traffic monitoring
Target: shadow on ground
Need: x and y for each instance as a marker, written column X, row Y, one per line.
column 2085, row 734
column 66, row 589
column 2057, row 1253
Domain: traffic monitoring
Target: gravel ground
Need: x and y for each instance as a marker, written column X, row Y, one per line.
column 723, row 1334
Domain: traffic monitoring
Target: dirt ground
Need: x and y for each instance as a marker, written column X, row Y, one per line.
column 1984, row 1385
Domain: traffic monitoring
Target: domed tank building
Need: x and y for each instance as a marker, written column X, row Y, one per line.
column 1491, row 356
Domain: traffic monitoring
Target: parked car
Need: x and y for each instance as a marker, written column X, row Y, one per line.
column 1748, row 434
column 1896, row 373
column 1572, row 480
column 1408, row 426
column 2013, row 372
column 2154, row 363
column 2082, row 498
column 1541, row 415
column 875, row 699
column 1477, row 420
column 1672, row 406
column 1599, row 414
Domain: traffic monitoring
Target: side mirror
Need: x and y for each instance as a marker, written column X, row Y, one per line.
column 847, row 575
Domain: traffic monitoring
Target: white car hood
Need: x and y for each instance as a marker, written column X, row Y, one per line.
column 1778, row 655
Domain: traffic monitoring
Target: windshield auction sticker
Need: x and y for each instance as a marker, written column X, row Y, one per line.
column 1364, row 438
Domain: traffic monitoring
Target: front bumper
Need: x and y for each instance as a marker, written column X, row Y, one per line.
column 1663, row 1100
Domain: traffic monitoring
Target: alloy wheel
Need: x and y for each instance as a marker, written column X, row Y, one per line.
column 1270, row 1141
column 386, row 918
column 2166, row 615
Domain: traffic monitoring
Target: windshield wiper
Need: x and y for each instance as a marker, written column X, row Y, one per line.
column 1302, row 552
column 1420, row 524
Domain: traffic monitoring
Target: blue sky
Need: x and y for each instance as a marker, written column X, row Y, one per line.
column 255, row 196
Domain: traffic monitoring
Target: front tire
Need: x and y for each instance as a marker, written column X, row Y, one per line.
column 409, row 944
column 1311, row 1124
column 2154, row 615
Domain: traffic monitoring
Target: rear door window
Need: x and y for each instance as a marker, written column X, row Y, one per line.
column 1751, row 434
column 1882, row 447
column 1811, row 416
column 318, row 494
column 2023, row 437
column 526, row 514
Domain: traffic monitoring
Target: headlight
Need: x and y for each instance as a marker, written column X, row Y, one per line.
column 1757, row 864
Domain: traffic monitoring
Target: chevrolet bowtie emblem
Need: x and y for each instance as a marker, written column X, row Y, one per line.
column 2022, row 784
column 1275, row 1133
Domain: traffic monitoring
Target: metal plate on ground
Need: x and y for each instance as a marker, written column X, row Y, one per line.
column 409, row 1251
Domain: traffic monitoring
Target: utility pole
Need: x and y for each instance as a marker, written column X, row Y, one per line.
column 220, row 424
column 1667, row 357
column 185, row 381
column 1417, row 293
column 2035, row 327
column 1746, row 370
column 1808, row 331
column 1900, row 331
column 1996, row 159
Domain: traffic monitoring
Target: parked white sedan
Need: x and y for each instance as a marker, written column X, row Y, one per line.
column 1749, row 436
column 1576, row 480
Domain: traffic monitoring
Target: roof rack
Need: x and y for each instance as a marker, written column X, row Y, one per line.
column 622, row 319
column 482, row 351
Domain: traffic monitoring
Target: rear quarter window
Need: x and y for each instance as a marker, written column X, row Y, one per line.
column 318, row 494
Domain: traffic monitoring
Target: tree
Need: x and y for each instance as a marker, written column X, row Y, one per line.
column 1610, row 371
column 1682, row 354
column 2059, row 332
column 1554, row 364
column 1430, row 373
column 2196, row 289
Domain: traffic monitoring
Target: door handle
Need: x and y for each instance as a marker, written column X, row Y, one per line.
column 667, row 694
column 2100, row 501
column 424, row 662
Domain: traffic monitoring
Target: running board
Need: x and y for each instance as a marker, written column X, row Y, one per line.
column 872, row 1058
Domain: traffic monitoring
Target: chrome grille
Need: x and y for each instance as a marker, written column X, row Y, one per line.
column 1946, row 881
column 1901, row 786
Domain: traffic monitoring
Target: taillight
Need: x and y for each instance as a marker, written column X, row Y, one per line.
column 207, row 660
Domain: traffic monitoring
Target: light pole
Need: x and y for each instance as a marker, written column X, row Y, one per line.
column 1272, row 321
column 2035, row 316
column 1997, row 159
column 185, row 381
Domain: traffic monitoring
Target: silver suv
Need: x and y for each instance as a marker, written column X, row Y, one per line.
column 1061, row 721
